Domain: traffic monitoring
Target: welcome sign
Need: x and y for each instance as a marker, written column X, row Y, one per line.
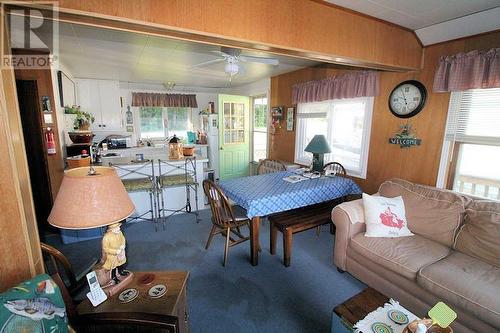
column 405, row 138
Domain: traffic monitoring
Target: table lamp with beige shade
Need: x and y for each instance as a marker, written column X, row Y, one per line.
column 95, row 197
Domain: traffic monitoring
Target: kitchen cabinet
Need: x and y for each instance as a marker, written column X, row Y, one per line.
column 102, row 99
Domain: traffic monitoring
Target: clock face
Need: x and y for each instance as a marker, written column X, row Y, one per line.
column 407, row 99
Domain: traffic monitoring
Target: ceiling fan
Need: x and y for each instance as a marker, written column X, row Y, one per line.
column 233, row 57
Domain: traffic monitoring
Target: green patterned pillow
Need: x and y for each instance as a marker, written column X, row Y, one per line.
column 35, row 305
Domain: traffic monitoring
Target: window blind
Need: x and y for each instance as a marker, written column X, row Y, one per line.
column 474, row 117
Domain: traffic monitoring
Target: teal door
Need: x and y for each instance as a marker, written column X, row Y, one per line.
column 234, row 117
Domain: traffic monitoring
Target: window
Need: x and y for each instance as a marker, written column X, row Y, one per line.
column 346, row 124
column 259, row 129
column 471, row 149
column 234, row 123
column 158, row 122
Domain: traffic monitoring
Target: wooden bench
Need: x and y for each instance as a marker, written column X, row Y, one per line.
column 298, row 220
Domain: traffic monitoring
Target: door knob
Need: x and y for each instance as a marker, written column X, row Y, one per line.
column 221, row 148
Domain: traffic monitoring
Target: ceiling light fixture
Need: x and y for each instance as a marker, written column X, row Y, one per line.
column 169, row 85
column 231, row 68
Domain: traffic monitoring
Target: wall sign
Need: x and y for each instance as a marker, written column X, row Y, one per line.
column 405, row 138
column 289, row 119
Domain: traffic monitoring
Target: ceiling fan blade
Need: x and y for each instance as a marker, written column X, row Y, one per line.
column 267, row 61
column 220, row 53
column 206, row 63
column 241, row 69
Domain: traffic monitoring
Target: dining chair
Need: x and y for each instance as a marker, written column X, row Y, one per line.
column 56, row 263
column 338, row 170
column 335, row 168
column 224, row 221
column 269, row 166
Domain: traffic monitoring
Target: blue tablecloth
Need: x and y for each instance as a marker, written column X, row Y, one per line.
column 268, row 194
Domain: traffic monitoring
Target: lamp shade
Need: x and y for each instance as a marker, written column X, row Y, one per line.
column 318, row 145
column 88, row 201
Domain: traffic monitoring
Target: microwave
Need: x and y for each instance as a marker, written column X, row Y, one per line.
column 118, row 142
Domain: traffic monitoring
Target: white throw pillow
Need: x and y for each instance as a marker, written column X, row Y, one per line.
column 385, row 217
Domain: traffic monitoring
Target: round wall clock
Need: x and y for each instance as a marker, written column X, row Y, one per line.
column 407, row 99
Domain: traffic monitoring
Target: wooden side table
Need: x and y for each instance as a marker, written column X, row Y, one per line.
column 144, row 314
column 356, row 308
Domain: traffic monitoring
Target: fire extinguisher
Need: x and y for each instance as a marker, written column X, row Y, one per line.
column 51, row 144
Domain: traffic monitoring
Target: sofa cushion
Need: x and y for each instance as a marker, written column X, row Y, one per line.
column 404, row 255
column 465, row 282
column 480, row 235
column 433, row 213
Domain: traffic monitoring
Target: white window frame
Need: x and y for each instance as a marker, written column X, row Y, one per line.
column 252, row 128
column 454, row 132
column 166, row 131
column 305, row 158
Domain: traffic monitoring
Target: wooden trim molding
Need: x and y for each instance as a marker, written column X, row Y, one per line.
column 376, row 45
column 19, row 241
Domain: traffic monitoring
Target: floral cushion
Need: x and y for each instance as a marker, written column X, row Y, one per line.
column 35, row 305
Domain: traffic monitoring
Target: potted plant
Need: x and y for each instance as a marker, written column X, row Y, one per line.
column 81, row 124
column 83, row 119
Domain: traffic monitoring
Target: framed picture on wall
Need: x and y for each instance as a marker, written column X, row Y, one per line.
column 67, row 90
column 289, row 119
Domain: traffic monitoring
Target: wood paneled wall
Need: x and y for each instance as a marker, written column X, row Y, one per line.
column 20, row 254
column 312, row 27
column 417, row 164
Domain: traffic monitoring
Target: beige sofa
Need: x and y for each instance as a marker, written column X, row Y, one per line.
column 454, row 255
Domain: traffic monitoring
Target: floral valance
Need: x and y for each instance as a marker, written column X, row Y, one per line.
column 472, row 70
column 164, row 100
column 350, row 85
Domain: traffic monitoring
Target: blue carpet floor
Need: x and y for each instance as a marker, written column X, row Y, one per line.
column 239, row 297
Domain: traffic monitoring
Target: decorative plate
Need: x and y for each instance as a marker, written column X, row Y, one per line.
column 379, row 327
column 128, row 295
column 398, row 317
column 157, row 291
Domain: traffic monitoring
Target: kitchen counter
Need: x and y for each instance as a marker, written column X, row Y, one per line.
column 151, row 153
column 106, row 161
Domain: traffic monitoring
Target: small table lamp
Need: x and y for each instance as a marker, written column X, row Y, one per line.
column 91, row 198
column 318, row 147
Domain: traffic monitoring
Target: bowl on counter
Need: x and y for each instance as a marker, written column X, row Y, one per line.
column 81, row 136
column 188, row 150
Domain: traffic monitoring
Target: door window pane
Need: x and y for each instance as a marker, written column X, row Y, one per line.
column 234, row 123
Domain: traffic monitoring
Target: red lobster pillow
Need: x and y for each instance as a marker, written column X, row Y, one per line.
column 385, row 217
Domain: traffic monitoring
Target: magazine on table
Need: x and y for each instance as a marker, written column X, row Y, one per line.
column 304, row 176
column 311, row 174
column 294, row 178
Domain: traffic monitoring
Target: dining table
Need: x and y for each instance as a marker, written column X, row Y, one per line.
column 266, row 194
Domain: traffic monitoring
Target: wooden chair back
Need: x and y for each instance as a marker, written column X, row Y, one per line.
column 222, row 212
column 269, row 166
column 59, row 264
column 336, row 168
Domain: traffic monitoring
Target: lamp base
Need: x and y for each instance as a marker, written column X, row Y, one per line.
column 115, row 289
column 318, row 162
column 109, row 286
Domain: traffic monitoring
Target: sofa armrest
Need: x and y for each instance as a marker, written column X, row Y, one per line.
column 349, row 221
